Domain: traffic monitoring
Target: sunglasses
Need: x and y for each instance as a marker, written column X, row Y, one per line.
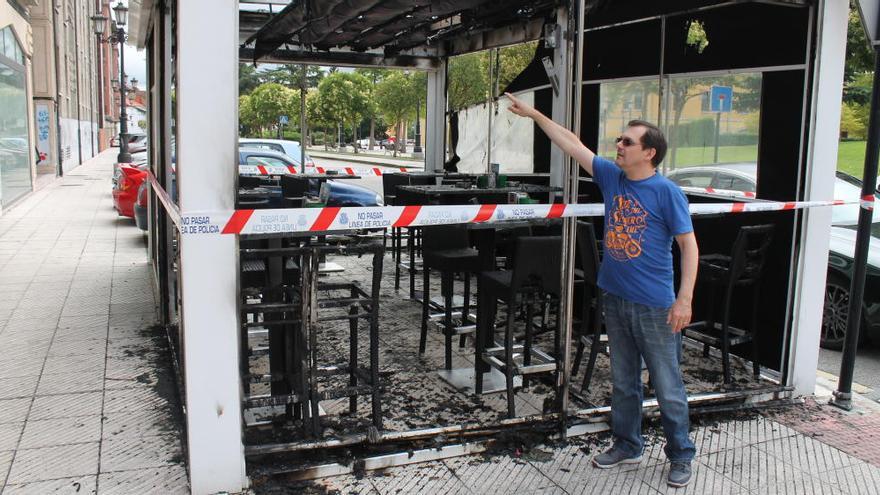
column 626, row 141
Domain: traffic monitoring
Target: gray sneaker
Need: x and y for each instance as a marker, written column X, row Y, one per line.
column 679, row 474
column 614, row 456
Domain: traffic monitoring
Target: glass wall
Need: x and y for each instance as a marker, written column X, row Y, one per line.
column 710, row 122
column 15, row 170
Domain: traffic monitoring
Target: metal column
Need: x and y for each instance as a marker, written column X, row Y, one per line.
column 812, row 264
column 561, row 107
column 435, row 119
column 207, row 140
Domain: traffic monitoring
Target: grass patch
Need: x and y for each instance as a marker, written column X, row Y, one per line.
column 851, row 157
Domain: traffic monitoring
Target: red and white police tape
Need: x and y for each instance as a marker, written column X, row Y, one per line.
column 292, row 220
column 291, row 170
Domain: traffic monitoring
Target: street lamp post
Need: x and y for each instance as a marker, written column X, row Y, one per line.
column 417, row 149
column 120, row 12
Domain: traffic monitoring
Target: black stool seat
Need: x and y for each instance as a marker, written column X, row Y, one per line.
column 741, row 269
column 535, row 275
column 457, row 260
column 446, row 248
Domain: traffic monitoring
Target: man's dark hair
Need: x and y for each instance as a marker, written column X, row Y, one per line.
column 653, row 138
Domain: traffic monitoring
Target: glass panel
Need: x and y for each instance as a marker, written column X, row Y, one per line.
column 621, row 102
column 8, row 43
column 15, row 171
column 713, row 121
column 266, row 160
column 18, row 55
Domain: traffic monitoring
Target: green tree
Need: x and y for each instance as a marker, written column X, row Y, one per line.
column 467, row 83
column 315, row 114
column 374, row 76
column 289, row 75
column 248, row 78
column 396, row 97
column 268, row 102
column 853, row 120
column 344, row 99
column 513, row 59
column 246, row 117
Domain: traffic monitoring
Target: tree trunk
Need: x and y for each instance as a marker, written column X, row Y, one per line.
column 372, row 132
column 396, row 138
column 354, row 137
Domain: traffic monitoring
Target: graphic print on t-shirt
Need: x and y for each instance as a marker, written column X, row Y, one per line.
column 626, row 224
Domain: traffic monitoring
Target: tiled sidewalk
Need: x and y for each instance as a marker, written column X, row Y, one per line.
column 84, row 404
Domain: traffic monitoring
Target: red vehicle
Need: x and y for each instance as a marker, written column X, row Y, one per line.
column 125, row 190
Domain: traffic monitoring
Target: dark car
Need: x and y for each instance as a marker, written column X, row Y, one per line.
column 339, row 193
column 844, row 222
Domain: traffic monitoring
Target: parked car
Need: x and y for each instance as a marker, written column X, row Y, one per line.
column 290, row 148
column 844, row 223
column 125, row 189
column 137, row 143
column 340, row 192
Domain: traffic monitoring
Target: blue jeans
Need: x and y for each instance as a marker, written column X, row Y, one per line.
column 636, row 332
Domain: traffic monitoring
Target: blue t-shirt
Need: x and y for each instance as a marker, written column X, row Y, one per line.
column 641, row 219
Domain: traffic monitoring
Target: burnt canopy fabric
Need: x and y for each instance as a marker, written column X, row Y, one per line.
column 394, row 24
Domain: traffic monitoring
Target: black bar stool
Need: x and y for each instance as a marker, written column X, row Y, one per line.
column 741, row 269
column 592, row 308
column 535, row 274
column 446, row 248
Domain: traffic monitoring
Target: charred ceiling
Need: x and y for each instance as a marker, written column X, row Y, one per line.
column 394, row 25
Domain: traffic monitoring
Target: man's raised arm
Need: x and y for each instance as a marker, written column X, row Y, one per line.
column 561, row 136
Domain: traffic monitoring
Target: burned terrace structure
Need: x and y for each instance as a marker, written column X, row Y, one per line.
column 284, row 364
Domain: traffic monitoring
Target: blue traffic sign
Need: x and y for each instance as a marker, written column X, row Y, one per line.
column 720, row 98
column 283, row 119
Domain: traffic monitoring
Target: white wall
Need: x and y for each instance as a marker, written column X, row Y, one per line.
column 512, row 143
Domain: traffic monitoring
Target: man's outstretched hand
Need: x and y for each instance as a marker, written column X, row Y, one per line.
column 518, row 107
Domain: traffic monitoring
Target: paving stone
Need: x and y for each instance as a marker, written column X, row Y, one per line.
column 73, row 364
column 11, row 388
column 704, row 480
column 14, row 410
column 751, row 467
column 5, row 462
column 10, row 433
column 807, row 454
column 140, row 423
column 66, row 405
column 54, row 462
column 80, row 485
column 499, row 475
column 861, row 478
column 71, row 382
column 132, row 400
column 169, row 480
column 63, row 431
column 20, row 366
column 92, row 347
column 431, row 477
column 127, row 453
